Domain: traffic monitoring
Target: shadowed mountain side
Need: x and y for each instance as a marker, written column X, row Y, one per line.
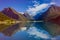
column 4, row 17
column 10, row 12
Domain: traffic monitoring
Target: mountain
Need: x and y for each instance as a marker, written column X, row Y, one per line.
column 12, row 29
column 4, row 17
column 53, row 14
column 28, row 16
column 10, row 12
column 52, row 20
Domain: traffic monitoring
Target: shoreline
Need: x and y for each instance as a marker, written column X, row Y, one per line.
column 14, row 22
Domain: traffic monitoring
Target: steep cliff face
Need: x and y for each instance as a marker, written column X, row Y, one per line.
column 10, row 12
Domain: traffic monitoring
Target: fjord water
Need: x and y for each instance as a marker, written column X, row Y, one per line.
column 24, row 31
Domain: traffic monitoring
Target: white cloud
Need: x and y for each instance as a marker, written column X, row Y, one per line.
column 34, row 31
column 38, row 8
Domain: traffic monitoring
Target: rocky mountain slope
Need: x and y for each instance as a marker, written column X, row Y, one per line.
column 52, row 20
column 10, row 12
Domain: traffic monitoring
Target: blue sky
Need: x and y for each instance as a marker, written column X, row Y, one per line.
column 19, row 5
column 23, row 5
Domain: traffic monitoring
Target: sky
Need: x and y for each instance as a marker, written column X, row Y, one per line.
column 23, row 5
column 19, row 5
column 57, row 2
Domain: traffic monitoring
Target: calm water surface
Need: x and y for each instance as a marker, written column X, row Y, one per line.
column 24, row 31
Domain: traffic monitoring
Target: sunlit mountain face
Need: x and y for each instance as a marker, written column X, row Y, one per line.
column 29, row 20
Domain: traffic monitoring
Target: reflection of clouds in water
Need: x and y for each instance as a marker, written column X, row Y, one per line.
column 56, row 38
column 30, row 32
column 23, row 28
column 35, row 31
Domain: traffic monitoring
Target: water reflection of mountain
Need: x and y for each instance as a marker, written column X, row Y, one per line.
column 34, row 29
column 10, row 29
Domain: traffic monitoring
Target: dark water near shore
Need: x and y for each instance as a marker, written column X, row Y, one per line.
column 24, row 31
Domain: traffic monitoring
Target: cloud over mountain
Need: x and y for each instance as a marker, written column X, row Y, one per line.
column 38, row 8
